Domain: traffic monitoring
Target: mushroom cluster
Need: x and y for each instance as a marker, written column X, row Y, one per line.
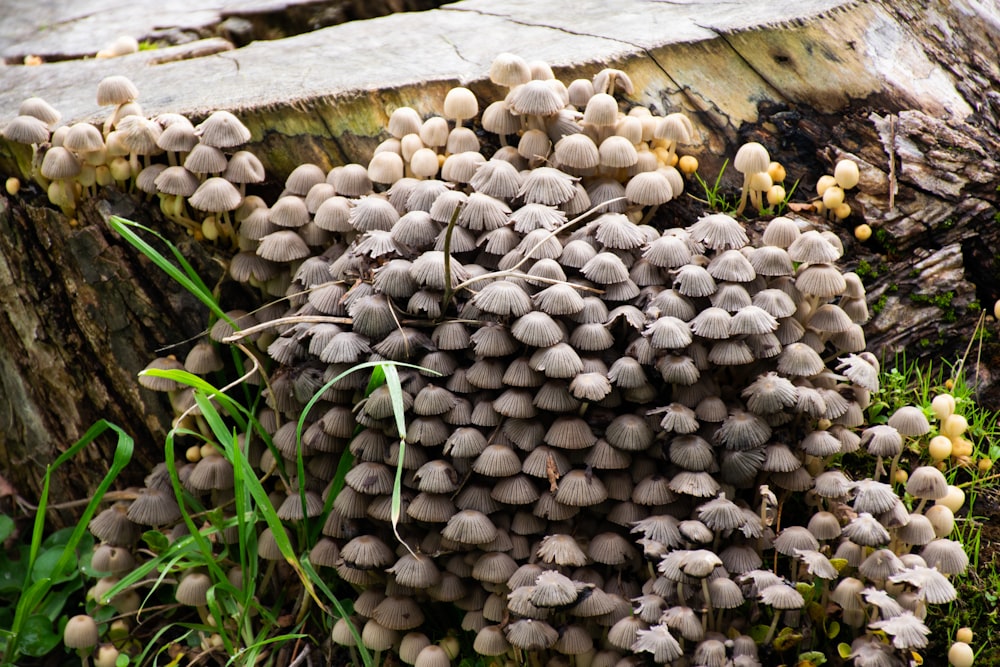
column 621, row 429
column 167, row 156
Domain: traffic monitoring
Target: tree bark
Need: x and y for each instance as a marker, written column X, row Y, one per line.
column 83, row 314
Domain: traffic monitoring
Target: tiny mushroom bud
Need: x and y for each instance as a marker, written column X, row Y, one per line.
column 688, row 164
column 846, row 174
column 863, row 232
column 961, row 655
column 777, row 172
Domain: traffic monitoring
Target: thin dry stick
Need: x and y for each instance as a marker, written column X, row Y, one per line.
column 892, row 162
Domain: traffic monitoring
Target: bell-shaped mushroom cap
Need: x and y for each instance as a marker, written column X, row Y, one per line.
column 801, row 360
column 743, row 430
column 222, row 130
column 469, row 527
column 811, row 247
column 649, row 188
column 509, row 70
column 534, row 98
column 910, row 421
column 399, row 612
column 283, row 246
column 351, row 180
column 579, row 488
column 179, row 137
column 859, row 371
column 658, row 641
column 60, row 163
column 880, row 565
column 367, row 552
column 721, row 514
column 882, row 440
column 668, row 251
column 719, row 231
column 918, row 530
column 865, row 530
column 611, row 549
column 497, row 178
column 771, row 261
column 624, row 633
column 732, row 266
column 947, row 556
column 157, row 383
column 546, row 185
column 83, row 138
column 561, row 549
column 26, row 129
column 770, row 393
column 176, row 181
column 490, row 641
column 114, row 90
column 577, row 151
column 217, row 195
column 751, row 158
column 531, row 635
column 193, row 589
column 376, row 637
column 40, row 109
column 782, row 596
column 81, row 632
column 927, row 482
column 795, row 537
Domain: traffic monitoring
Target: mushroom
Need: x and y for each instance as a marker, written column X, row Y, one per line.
column 751, row 158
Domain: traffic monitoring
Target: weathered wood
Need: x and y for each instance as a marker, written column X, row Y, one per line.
column 83, row 314
column 906, row 89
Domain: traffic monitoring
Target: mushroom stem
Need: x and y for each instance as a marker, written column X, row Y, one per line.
column 649, row 214
column 774, row 626
column 893, row 468
column 743, row 195
column 707, row 612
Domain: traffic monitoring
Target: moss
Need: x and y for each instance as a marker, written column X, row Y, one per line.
column 942, row 301
column 879, row 305
column 885, row 239
column 866, row 271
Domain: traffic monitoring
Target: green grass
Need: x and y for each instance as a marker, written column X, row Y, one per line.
column 50, row 567
column 906, row 382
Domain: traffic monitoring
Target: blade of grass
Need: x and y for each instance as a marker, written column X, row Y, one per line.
column 187, row 277
column 34, row 593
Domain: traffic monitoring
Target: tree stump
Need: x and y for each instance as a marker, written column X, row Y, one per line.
column 907, row 89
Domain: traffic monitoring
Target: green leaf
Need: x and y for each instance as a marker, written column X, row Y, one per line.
column 844, row 650
column 51, row 565
column 54, row 603
column 6, row 527
column 13, row 573
column 37, row 637
column 814, row 657
column 156, row 541
column 832, row 629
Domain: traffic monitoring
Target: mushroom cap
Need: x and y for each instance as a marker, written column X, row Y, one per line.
column 60, row 163
column 534, row 98
column 193, row 589
column 222, row 130
column 751, row 158
column 114, row 90
column 508, row 69
column 26, row 129
column 927, row 482
column 81, row 632
column 910, row 421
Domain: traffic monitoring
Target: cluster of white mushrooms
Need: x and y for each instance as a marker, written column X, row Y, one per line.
column 621, row 441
